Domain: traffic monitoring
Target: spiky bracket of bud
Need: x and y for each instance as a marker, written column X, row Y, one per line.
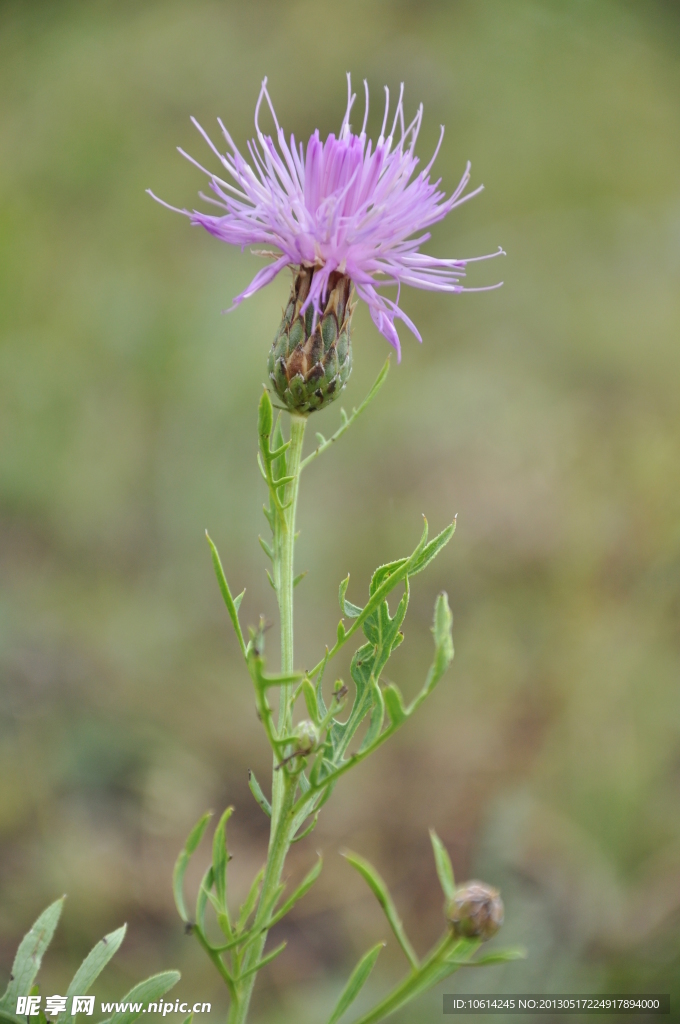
column 311, row 358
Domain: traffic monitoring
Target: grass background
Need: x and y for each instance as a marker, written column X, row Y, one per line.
column 545, row 414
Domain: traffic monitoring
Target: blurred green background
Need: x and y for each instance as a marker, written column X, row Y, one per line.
column 545, row 414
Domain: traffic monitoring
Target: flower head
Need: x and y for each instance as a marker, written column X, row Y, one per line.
column 343, row 206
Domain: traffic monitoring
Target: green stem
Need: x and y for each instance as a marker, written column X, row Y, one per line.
column 283, row 786
column 414, row 983
column 286, row 573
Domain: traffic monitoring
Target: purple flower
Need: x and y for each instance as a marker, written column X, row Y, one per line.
column 342, row 205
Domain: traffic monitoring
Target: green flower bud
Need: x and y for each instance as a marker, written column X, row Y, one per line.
column 307, row 737
column 308, row 368
column 476, row 911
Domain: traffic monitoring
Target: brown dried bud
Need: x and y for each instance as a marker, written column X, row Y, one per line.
column 476, row 911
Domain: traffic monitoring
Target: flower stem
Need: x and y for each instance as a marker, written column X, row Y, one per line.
column 285, row 553
column 283, row 786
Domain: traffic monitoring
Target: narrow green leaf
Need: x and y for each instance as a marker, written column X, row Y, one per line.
column 309, row 693
column 443, row 650
column 304, row 887
column 258, row 794
column 352, row 611
column 356, row 982
column 149, row 991
column 377, row 717
column 265, row 960
column 500, row 956
column 346, row 421
column 238, row 599
column 265, row 420
column 381, row 893
column 232, row 607
column 341, row 631
column 90, row 969
column 220, row 860
column 443, row 864
column 394, row 704
column 266, row 548
column 10, row 1018
column 276, row 453
column 190, row 847
column 29, row 955
column 299, row 578
column 431, row 550
column 271, row 581
column 250, row 901
column 310, row 828
column 202, row 897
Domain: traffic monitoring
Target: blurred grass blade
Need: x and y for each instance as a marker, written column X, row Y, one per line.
column 190, row 848
column 381, row 893
column 356, row 981
column 90, row 969
column 443, row 865
column 29, row 955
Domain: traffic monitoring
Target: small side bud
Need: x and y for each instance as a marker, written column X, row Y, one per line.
column 476, row 911
column 310, row 362
column 307, row 737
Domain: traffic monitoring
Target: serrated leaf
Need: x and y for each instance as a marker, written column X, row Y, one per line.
column 149, row 991
column 355, row 983
column 232, row 607
column 256, row 790
column 182, row 861
column 90, row 969
column 443, row 864
column 381, row 893
column 304, row 887
column 30, row 953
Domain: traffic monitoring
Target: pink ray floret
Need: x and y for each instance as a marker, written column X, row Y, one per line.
column 345, row 205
